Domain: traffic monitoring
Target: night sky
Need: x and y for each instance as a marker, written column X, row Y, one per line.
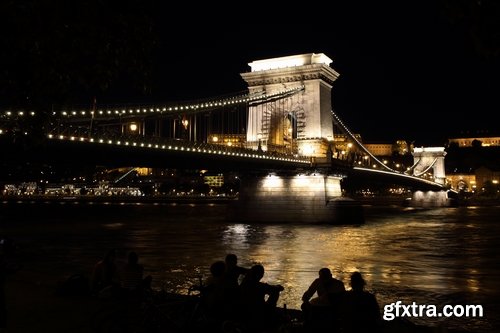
column 421, row 72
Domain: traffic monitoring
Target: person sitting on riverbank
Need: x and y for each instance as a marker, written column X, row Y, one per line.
column 215, row 297
column 233, row 270
column 232, row 278
column 317, row 311
column 133, row 281
column 361, row 311
column 257, row 311
column 105, row 280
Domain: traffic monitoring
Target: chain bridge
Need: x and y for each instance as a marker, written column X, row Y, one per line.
column 282, row 131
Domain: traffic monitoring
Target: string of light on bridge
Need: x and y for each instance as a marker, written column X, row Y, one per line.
column 178, row 147
column 179, row 108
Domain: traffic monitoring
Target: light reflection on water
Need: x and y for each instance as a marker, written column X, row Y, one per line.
column 439, row 256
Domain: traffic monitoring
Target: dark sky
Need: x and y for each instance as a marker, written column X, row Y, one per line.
column 415, row 70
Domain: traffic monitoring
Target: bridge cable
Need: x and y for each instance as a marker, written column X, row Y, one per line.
column 347, row 132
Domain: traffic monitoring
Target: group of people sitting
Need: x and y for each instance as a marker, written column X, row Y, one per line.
column 237, row 293
column 327, row 305
column 233, row 292
column 110, row 280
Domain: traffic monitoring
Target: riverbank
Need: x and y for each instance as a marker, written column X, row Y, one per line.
column 34, row 306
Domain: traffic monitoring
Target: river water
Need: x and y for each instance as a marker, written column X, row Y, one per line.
column 429, row 256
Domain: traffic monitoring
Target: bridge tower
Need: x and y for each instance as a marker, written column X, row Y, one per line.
column 310, row 114
column 430, row 157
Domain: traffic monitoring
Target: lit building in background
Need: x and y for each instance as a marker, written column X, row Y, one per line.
column 468, row 142
column 214, row 180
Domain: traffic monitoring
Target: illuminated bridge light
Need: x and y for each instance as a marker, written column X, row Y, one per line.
column 110, row 142
column 101, row 140
column 142, row 144
column 61, row 137
column 149, row 145
column 50, row 136
column 91, row 139
column 118, row 143
column 126, row 143
column 169, row 147
column 82, row 139
column 134, row 144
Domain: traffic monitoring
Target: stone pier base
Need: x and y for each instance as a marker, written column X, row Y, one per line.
column 294, row 199
column 431, row 199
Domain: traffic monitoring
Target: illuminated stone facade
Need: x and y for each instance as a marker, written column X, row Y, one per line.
column 309, row 111
column 427, row 158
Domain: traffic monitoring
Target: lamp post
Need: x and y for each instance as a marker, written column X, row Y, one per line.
column 259, row 147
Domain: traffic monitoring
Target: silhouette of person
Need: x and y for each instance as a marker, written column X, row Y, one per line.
column 132, row 276
column 362, row 311
column 214, row 294
column 317, row 311
column 257, row 309
column 232, row 279
column 105, row 275
column 233, row 270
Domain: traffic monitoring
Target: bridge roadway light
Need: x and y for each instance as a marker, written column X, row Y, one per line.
column 133, row 127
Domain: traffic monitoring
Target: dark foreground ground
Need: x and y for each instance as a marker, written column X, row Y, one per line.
column 34, row 306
